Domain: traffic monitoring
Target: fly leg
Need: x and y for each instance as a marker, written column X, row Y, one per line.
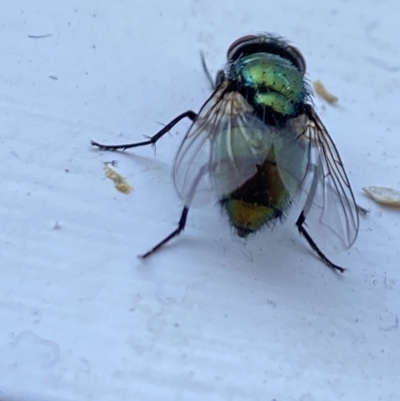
column 206, row 71
column 300, row 225
column 301, row 222
column 218, row 79
column 185, row 211
column 152, row 140
column 181, row 226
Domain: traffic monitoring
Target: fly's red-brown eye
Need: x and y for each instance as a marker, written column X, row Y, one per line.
column 239, row 42
column 299, row 57
column 269, row 44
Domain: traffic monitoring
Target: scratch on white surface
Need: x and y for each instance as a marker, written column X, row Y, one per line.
column 48, row 35
column 393, row 327
column 43, row 352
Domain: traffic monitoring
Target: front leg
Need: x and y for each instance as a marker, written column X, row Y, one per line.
column 187, row 114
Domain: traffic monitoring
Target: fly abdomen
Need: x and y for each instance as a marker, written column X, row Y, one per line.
column 248, row 218
column 259, row 201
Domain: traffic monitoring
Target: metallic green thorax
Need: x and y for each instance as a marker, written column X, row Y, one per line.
column 270, row 81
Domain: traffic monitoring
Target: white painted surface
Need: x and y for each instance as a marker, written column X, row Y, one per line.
column 81, row 318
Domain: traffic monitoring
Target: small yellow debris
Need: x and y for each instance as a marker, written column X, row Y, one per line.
column 322, row 91
column 119, row 181
column 384, row 195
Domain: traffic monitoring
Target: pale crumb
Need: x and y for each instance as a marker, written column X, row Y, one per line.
column 383, row 195
column 120, row 183
column 322, row 91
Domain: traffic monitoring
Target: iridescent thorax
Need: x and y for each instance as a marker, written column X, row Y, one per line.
column 270, row 75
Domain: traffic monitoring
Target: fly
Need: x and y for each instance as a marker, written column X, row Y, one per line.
column 258, row 143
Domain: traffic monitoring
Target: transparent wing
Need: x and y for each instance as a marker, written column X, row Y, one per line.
column 221, row 149
column 291, row 154
column 330, row 198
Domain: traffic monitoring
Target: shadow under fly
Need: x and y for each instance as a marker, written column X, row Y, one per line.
column 257, row 143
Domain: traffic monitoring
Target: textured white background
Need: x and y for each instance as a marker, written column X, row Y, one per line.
column 81, row 318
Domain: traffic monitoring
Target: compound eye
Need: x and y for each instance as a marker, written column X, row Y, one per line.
column 299, row 58
column 239, row 43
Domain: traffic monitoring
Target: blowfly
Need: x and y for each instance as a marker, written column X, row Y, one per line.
column 257, row 144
